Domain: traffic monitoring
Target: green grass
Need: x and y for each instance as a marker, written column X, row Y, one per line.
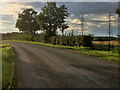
column 107, row 55
column 101, row 54
column 7, row 59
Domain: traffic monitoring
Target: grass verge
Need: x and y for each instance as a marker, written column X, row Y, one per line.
column 107, row 55
column 7, row 61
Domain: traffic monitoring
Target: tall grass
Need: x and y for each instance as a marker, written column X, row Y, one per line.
column 7, row 59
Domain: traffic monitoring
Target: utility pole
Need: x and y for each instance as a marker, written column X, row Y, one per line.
column 72, row 33
column 109, row 30
column 119, row 30
column 119, row 19
column 82, row 25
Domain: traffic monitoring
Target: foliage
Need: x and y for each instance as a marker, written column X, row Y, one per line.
column 104, row 38
column 72, row 40
column 102, row 47
column 86, row 41
column 119, row 44
column 118, row 12
column 102, row 54
column 26, row 21
column 17, row 36
column 7, row 59
column 55, row 40
column 52, row 18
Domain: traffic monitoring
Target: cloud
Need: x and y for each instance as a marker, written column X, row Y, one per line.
column 75, row 21
column 71, row 27
column 91, row 11
column 92, row 24
column 76, row 29
column 14, row 8
column 103, row 17
column 4, row 21
column 60, row 1
column 3, row 27
column 9, row 15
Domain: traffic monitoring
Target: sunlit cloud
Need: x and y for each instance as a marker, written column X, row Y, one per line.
column 93, row 22
column 14, row 8
column 98, row 26
column 3, row 27
column 83, row 31
column 4, row 21
column 9, row 15
column 71, row 27
column 60, row 0
column 75, row 21
column 90, row 24
column 103, row 18
column 72, row 15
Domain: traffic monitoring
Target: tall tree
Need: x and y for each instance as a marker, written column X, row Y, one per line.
column 26, row 21
column 118, row 12
column 52, row 17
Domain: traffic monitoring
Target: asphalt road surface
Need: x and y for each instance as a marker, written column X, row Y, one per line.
column 46, row 67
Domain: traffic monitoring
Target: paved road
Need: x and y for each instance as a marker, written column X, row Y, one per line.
column 47, row 67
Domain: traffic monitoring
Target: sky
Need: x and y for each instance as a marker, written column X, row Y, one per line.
column 91, row 11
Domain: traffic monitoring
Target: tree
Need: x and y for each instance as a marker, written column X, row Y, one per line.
column 52, row 18
column 118, row 12
column 26, row 21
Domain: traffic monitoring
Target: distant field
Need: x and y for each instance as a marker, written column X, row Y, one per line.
column 114, row 42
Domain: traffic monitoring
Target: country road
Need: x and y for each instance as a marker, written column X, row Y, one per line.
column 46, row 67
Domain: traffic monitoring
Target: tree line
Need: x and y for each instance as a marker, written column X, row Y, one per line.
column 50, row 19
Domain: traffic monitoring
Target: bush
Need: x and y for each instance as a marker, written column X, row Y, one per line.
column 53, row 40
column 86, row 41
column 72, row 40
column 78, row 42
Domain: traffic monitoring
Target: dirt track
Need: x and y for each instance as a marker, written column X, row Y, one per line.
column 46, row 67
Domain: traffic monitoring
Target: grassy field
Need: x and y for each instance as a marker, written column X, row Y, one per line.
column 101, row 54
column 113, row 42
column 7, row 60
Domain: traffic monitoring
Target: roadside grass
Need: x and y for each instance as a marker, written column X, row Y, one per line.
column 101, row 54
column 107, row 55
column 7, row 60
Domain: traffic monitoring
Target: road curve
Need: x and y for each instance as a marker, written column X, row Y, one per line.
column 46, row 67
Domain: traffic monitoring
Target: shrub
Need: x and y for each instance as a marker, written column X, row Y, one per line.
column 72, row 40
column 53, row 40
column 86, row 41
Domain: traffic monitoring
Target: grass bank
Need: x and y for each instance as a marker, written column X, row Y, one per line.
column 107, row 55
column 7, row 64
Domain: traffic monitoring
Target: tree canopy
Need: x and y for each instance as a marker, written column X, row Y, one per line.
column 118, row 12
column 52, row 18
column 26, row 21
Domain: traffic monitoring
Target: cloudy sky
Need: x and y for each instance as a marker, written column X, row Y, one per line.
column 94, row 13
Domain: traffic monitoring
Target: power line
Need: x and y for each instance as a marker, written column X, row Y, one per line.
column 82, row 19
